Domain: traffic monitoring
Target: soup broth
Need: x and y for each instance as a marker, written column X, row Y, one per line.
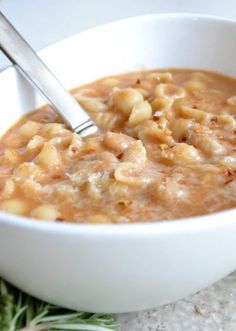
column 166, row 150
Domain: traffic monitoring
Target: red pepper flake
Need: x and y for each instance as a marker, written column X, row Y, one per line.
column 234, row 131
column 124, row 203
column 74, row 150
column 156, row 117
column 119, row 156
column 214, row 120
column 138, row 81
column 228, row 181
column 55, row 177
column 183, row 139
column 228, row 172
column 59, row 219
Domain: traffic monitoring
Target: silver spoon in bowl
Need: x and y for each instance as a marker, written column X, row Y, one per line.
column 37, row 73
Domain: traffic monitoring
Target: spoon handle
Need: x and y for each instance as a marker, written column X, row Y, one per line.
column 24, row 57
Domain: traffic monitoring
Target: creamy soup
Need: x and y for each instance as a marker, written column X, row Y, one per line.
column 166, row 150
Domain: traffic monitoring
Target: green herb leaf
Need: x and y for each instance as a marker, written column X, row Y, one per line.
column 6, row 307
column 21, row 312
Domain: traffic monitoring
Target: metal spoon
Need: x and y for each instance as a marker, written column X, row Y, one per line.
column 24, row 57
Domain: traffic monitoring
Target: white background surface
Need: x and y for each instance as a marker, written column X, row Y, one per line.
column 43, row 22
column 213, row 309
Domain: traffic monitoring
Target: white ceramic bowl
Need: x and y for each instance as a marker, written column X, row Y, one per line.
column 120, row 268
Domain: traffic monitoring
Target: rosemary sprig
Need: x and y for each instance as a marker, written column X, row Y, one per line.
column 21, row 312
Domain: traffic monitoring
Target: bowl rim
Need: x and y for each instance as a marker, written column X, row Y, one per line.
column 187, row 224
column 143, row 18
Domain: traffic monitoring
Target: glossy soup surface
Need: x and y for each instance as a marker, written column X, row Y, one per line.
column 166, row 150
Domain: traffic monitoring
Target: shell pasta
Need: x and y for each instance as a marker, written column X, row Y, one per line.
column 166, row 150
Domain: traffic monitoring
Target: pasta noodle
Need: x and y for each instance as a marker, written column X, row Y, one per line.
column 165, row 150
